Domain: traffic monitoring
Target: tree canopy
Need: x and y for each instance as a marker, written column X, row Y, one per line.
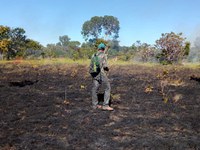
column 101, row 27
column 173, row 47
column 13, row 42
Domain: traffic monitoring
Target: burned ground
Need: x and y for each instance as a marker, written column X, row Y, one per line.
column 49, row 107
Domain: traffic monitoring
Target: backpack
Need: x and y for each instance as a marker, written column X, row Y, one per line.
column 95, row 65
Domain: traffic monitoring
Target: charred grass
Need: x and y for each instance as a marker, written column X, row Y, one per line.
column 49, row 107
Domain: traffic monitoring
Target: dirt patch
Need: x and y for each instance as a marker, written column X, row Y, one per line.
column 49, row 107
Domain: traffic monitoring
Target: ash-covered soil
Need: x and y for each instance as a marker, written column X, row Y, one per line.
column 49, row 107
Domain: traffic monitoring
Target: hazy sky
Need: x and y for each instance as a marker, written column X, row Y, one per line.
column 144, row 20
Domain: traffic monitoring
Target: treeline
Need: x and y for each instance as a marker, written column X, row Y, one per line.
column 14, row 42
column 169, row 48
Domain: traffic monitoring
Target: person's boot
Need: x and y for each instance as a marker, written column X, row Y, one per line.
column 107, row 108
column 97, row 107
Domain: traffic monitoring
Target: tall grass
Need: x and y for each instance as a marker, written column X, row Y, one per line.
column 38, row 62
column 111, row 62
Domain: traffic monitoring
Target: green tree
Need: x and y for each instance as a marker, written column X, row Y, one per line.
column 33, row 49
column 13, row 42
column 50, row 50
column 4, row 40
column 18, row 43
column 4, row 47
column 86, row 50
column 124, row 53
column 111, row 26
column 74, row 45
column 187, row 48
column 64, row 40
column 4, row 32
column 114, row 47
column 64, row 48
column 34, row 45
column 99, row 27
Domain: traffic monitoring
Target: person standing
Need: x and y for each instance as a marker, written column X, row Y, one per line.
column 98, row 69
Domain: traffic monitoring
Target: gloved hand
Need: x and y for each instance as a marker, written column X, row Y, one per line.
column 106, row 68
column 94, row 74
